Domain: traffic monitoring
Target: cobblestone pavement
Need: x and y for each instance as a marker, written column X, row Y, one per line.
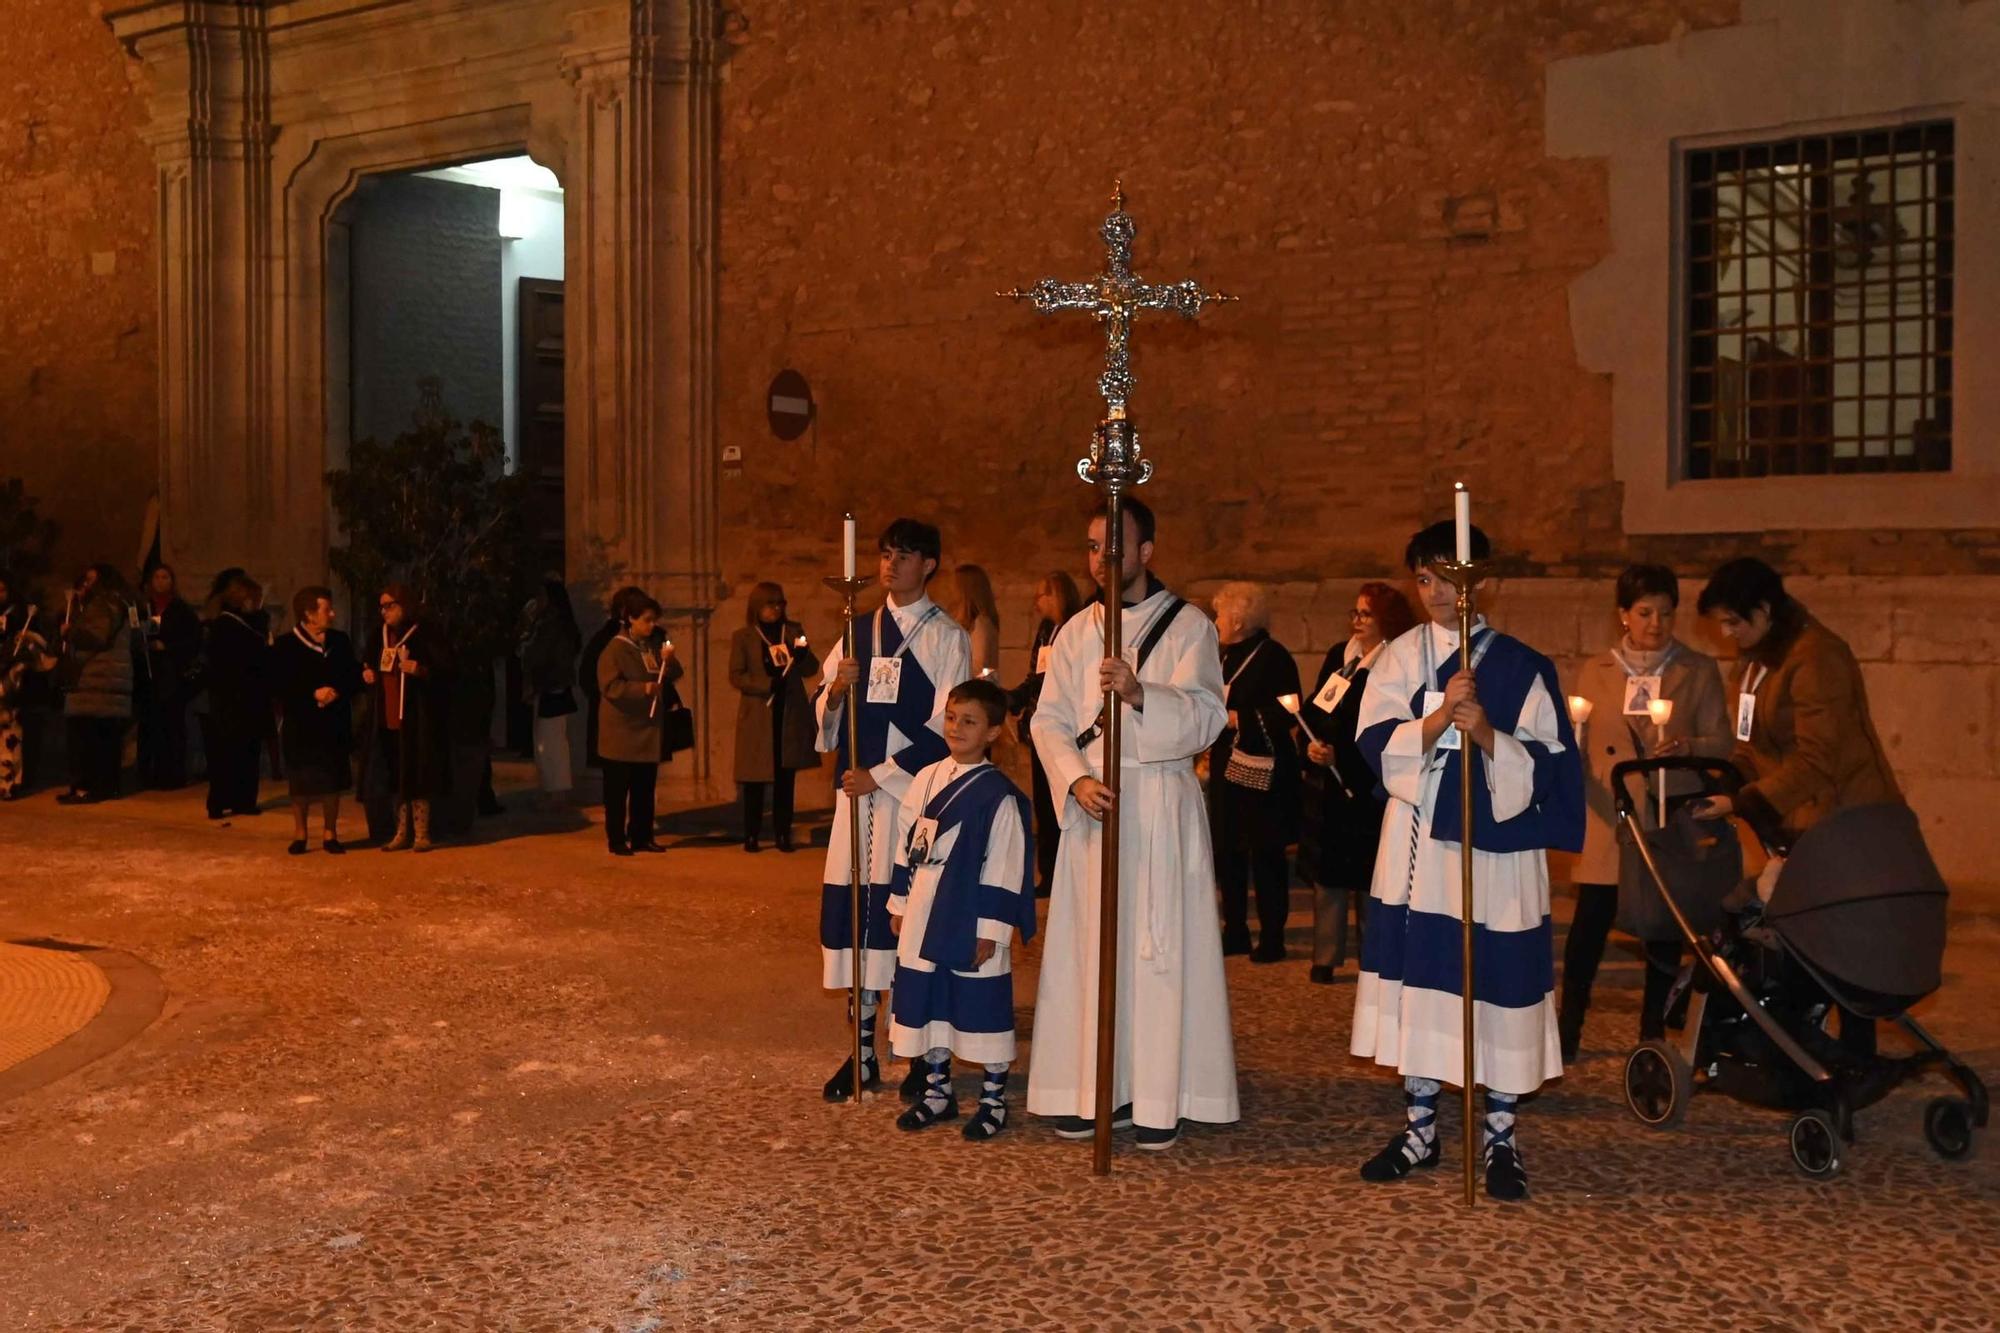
column 520, row 1085
column 45, row 995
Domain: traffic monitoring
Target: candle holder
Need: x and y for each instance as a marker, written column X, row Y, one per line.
column 1580, row 710
column 1466, row 576
column 1290, row 703
column 850, row 588
column 1662, row 712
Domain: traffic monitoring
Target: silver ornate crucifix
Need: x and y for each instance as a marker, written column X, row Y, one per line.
column 1114, row 296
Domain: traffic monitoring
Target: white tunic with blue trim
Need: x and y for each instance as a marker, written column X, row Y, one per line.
column 1407, row 1007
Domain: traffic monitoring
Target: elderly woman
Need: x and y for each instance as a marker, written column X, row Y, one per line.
column 1343, row 813
column 407, row 751
column 314, row 679
column 98, row 681
column 1648, row 664
column 1253, row 783
column 769, row 664
column 1803, row 735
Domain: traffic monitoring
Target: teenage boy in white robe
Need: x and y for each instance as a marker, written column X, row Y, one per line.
column 1416, row 715
column 909, row 654
column 962, row 895
column 1174, row 1058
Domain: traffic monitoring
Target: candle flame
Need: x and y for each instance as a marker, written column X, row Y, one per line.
column 1290, row 701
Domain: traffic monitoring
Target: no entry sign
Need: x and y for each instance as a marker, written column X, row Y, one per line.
column 790, row 404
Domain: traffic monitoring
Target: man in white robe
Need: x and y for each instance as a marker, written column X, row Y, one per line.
column 1175, row 1058
column 909, row 655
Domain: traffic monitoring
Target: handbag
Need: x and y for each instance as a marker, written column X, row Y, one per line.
column 676, row 729
column 1253, row 772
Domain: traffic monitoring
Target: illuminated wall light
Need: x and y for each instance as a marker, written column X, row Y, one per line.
column 517, row 215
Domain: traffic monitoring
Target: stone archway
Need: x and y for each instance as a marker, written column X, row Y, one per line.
column 263, row 118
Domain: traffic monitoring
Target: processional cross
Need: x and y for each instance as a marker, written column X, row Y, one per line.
column 1114, row 297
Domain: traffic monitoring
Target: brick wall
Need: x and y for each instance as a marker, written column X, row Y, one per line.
column 78, row 399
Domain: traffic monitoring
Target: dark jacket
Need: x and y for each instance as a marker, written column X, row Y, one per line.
column 173, row 647
column 1023, row 697
column 1342, row 810
column 628, row 719
column 422, row 747
column 235, row 671
column 1266, row 728
column 318, row 740
column 586, row 676
column 774, row 719
column 98, row 670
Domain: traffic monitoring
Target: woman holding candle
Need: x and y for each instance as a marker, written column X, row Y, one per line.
column 631, row 675
column 1649, row 697
column 1343, row 813
column 405, row 668
column 769, row 664
column 314, row 678
column 1254, row 775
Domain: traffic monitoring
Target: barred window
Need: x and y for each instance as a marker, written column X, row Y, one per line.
column 1816, row 315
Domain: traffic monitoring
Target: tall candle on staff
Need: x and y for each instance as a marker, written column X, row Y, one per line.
column 1461, row 513
column 847, row 546
column 1661, row 711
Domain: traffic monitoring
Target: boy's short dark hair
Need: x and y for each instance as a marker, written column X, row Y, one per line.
column 1648, row 581
column 1741, row 586
column 915, row 536
column 986, row 694
column 307, row 598
column 1438, row 544
column 1137, row 510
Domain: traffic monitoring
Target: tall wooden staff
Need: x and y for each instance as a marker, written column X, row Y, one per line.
column 1464, row 574
column 1113, row 297
column 849, row 587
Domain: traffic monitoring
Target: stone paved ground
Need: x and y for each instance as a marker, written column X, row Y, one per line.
column 522, row 1086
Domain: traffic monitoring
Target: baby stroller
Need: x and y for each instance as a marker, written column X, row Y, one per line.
column 1856, row 920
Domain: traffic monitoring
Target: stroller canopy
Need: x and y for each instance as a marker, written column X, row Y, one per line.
column 1861, row 901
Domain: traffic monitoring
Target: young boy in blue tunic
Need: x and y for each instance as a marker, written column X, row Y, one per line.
column 1421, row 720
column 907, row 655
column 961, row 893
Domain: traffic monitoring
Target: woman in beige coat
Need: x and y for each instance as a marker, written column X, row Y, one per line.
column 1648, row 663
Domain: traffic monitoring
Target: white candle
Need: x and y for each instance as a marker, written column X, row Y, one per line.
column 1461, row 501
column 847, row 533
column 1579, row 710
column 1661, row 711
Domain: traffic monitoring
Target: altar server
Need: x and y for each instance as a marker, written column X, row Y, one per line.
column 1527, row 798
column 1174, row 1058
column 909, row 654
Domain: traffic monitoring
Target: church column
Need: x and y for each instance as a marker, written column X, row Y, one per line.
column 206, row 65
column 640, row 312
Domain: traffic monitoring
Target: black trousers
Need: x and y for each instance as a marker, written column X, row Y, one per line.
column 163, row 743
column 234, row 757
column 1048, row 832
column 1250, row 844
column 628, row 802
column 1596, row 909
column 96, row 753
column 782, row 791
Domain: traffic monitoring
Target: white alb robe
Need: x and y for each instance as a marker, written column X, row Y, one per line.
column 944, row 652
column 1175, row 1056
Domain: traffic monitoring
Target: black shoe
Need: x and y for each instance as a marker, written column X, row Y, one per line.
column 648, row 846
column 914, row 1082
column 1158, row 1140
column 1506, row 1178
column 923, row 1115
column 1569, row 1032
column 784, row 843
column 1271, row 951
column 298, row 847
column 1392, row 1163
column 332, row 847
column 840, row 1087
column 1232, row 945
column 1083, row 1126
column 213, row 813
column 76, row 798
column 1321, row 975
column 752, row 845
column 620, row 849
column 987, row 1122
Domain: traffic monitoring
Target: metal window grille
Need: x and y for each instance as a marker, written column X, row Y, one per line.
column 1816, row 314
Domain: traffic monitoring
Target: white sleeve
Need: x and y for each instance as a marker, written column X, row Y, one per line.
column 911, row 809
column 1510, row 776
column 1183, row 714
column 831, row 717
column 1392, row 683
column 1058, row 720
column 1002, row 867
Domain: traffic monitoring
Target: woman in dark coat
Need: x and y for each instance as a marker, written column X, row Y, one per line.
column 315, row 678
column 586, row 670
column 1056, row 600
column 769, row 664
column 550, row 643
column 407, row 749
column 99, row 677
column 235, row 673
column 173, row 642
column 1343, row 813
column 1253, row 825
column 630, row 672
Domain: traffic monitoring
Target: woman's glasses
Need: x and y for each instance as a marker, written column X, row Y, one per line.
column 1358, row 614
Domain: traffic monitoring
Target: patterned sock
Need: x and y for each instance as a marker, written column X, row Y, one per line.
column 993, row 1092
column 1499, row 1119
column 870, row 1002
column 937, row 1079
column 1420, row 1105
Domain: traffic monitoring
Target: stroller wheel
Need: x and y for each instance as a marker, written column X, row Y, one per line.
column 1948, row 1127
column 1658, row 1084
column 1816, row 1145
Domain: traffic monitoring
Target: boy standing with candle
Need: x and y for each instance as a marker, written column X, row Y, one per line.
column 1421, row 721
column 908, row 656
